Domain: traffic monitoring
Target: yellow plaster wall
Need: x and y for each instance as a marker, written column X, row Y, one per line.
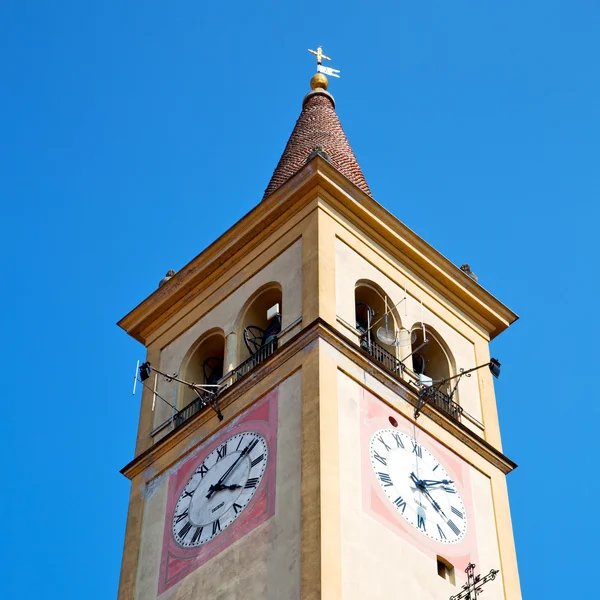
column 263, row 564
column 352, row 267
column 379, row 564
column 318, row 542
column 285, row 269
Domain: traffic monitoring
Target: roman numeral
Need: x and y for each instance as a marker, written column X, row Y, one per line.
column 197, row 534
column 453, row 527
column 386, row 446
column 186, row 494
column 182, row 516
column 237, row 507
column 251, row 483
column 421, row 522
column 382, row 460
column 185, row 530
column 385, row 479
column 449, row 490
column 239, row 443
column 400, row 503
column 202, row 469
column 398, row 440
column 456, row 512
column 221, row 452
column 417, row 450
column 442, row 535
column 216, row 526
column 257, row 461
column 436, row 466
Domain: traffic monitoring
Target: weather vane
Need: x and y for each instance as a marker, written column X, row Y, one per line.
column 319, row 54
column 320, row 68
column 471, row 589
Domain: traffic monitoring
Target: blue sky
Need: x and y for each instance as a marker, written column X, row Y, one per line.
column 127, row 127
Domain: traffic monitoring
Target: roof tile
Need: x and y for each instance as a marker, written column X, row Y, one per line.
column 317, row 125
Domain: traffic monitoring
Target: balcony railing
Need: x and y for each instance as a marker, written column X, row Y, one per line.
column 251, row 363
column 195, row 406
column 381, row 355
column 432, row 395
column 390, row 363
column 205, row 398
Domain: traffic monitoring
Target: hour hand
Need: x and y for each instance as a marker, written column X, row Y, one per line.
column 217, row 487
column 234, row 486
column 427, row 482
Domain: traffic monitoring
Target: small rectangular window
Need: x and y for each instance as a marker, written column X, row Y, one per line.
column 445, row 570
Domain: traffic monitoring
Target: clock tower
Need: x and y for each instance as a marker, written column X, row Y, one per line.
column 307, row 429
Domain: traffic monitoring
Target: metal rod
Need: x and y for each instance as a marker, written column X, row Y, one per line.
column 137, row 366
column 463, row 373
column 154, row 393
column 191, row 385
column 157, row 394
column 387, row 312
column 415, row 351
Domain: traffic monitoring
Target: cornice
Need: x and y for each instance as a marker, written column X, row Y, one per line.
column 318, row 329
column 406, row 245
column 284, row 203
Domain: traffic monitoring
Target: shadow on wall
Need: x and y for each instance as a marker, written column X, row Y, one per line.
column 205, row 365
column 433, row 361
column 261, row 322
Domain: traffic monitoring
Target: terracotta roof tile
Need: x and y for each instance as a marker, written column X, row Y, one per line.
column 317, row 125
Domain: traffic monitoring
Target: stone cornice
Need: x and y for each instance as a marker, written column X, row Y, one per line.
column 282, row 205
column 319, row 329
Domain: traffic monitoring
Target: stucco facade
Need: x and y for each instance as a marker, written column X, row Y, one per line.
column 314, row 238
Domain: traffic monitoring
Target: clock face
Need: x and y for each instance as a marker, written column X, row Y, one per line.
column 418, row 486
column 220, row 489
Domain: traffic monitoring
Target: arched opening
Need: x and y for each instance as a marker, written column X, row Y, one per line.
column 430, row 362
column 260, row 325
column 205, row 365
column 371, row 306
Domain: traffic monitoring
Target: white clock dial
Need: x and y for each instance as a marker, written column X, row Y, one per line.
column 220, row 489
column 418, row 486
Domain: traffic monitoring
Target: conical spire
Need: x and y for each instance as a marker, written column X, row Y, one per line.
column 318, row 130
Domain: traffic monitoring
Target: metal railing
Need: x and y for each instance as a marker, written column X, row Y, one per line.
column 250, row 363
column 195, row 406
column 381, row 355
column 206, row 398
column 390, row 363
column 433, row 395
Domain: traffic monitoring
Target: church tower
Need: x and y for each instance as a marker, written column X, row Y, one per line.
column 305, row 428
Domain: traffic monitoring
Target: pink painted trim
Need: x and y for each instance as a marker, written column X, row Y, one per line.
column 177, row 562
column 374, row 415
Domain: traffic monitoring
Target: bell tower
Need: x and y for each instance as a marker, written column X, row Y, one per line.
column 307, row 429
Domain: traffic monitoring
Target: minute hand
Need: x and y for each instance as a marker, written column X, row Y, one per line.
column 435, row 504
column 243, row 453
column 421, row 487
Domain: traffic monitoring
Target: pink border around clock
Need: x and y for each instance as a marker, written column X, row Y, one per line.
column 177, row 562
column 374, row 415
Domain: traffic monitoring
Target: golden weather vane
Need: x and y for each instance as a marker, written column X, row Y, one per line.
column 319, row 54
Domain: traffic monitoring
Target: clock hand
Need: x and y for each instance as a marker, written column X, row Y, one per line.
column 428, row 482
column 421, row 487
column 223, row 486
column 435, row 504
column 214, row 488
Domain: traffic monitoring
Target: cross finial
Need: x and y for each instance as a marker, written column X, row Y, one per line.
column 319, row 54
column 472, row 589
